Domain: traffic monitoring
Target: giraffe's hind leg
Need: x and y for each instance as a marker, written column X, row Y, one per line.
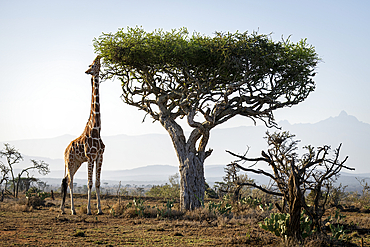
column 97, row 182
column 64, row 193
column 73, row 211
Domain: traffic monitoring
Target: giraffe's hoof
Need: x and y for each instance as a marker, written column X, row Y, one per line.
column 100, row 213
column 63, row 213
column 89, row 213
column 73, row 212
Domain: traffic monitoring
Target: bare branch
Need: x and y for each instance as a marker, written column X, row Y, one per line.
column 262, row 189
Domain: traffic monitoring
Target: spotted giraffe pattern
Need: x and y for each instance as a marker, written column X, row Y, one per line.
column 89, row 147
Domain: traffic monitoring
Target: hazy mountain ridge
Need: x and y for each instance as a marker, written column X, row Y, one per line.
column 124, row 152
column 159, row 174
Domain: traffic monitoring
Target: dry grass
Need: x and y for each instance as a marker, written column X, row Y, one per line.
column 24, row 225
column 15, row 206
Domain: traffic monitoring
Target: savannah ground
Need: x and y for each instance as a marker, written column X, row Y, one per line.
column 21, row 225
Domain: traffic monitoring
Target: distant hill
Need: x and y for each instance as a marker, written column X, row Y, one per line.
column 124, row 153
column 159, row 174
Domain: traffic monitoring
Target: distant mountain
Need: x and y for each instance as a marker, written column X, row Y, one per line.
column 159, row 174
column 122, row 151
column 353, row 134
column 125, row 152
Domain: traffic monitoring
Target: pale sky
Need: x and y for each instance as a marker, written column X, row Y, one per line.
column 47, row 45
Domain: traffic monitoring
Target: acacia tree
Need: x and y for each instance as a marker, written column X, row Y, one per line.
column 40, row 166
column 233, row 183
column 4, row 174
column 207, row 80
column 13, row 156
column 295, row 177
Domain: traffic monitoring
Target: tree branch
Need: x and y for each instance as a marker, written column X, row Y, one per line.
column 262, row 189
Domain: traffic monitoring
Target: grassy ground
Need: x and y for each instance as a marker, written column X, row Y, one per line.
column 21, row 225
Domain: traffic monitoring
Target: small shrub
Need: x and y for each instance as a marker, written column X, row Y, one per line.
column 35, row 201
column 336, row 226
column 79, row 233
column 277, row 224
column 129, row 213
column 166, row 211
column 82, row 209
column 171, row 190
column 118, row 209
column 33, row 191
column 221, row 207
column 139, row 206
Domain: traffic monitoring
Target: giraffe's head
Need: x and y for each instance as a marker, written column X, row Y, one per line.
column 94, row 67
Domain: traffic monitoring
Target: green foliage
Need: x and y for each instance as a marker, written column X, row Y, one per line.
column 139, row 206
column 338, row 231
column 164, row 191
column 220, row 207
column 33, row 191
column 277, row 224
column 251, row 202
column 79, row 233
column 306, row 223
column 210, row 193
column 166, row 211
column 171, row 190
column 136, row 48
column 336, row 225
column 187, row 68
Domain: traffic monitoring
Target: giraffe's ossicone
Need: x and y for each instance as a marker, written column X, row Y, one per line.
column 88, row 147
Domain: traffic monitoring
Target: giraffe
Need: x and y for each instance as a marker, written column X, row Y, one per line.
column 89, row 147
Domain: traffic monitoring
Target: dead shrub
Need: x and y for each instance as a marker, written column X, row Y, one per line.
column 35, row 201
column 82, row 209
column 129, row 213
column 117, row 209
column 150, row 212
column 15, row 207
column 200, row 214
column 323, row 240
column 238, row 220
column 362, row 221
column 222, row 221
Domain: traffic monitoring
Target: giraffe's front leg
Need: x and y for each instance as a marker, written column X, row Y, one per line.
column 97, row 182
column 89, row 184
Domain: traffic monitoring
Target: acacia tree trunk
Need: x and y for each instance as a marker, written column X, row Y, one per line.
column 192, row 183
column 191, row 160
column 17, row 189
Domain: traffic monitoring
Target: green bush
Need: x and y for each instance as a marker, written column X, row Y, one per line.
column 33, row 191
column 336, row 225
column 171, row 190
column 221, row 207
column 277, row 224
column 166, row 211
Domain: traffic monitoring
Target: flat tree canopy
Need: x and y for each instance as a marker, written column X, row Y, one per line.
column 173, row 74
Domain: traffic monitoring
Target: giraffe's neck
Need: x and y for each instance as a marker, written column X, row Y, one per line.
column 94, row 124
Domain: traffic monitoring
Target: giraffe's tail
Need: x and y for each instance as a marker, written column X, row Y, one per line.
column 64, row 190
